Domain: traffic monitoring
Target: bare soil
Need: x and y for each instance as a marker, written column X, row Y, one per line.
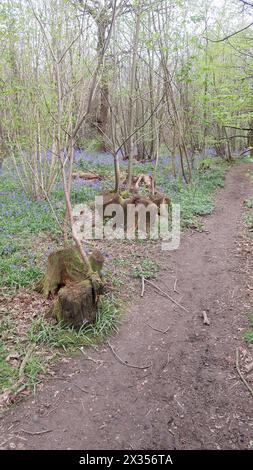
column 190, row 395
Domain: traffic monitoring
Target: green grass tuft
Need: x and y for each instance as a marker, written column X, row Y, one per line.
column 53, row 338
column 61, row 336
column 147, row 268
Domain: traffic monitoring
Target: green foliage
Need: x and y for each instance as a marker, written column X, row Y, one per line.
column 33, row 370
column 197, row 198
column 249, row 222
column 147, row 268
column 249, row 334
column 22, row 221
column 61, row 336
column 249, row 203
column 50, row 339
column 108, row 318
column 106, row 171
column 206, row 164
column 8, row 374
column 92, row 145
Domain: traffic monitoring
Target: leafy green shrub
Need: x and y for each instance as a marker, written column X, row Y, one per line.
column 206, row 164
column 147, row 268
column 93, row 145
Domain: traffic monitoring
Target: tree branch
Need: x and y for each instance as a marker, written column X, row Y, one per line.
column 240, row 128
column 230, row 35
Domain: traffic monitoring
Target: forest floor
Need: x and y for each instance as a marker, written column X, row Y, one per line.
column 184, row 391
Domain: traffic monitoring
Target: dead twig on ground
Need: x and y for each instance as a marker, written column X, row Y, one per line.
column 157, row 329
column 88, row 358
column 240, row 373
column 167, row 295
column 175, row 287
column 80, row 388
column 125, row 363
column 142, row 286
column 206, row 320
column 36, row 433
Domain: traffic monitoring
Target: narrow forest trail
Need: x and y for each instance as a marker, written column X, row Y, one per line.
column 191, row 397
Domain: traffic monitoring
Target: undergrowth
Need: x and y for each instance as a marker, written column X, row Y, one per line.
column 249, row 333
column 198, row 198
column 49, row 341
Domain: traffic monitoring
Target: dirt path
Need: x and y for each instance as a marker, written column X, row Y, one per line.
column 191, row 397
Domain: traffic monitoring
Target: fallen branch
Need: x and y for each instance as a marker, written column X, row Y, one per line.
column 240, row 373
column 88, row 358
column 78, row 386
column 246, row 151
column 36, row 433
column 86, row 175
column 206, row 319
column 126, row 363
column 167, row 295
column 175, row 287
column 142, row 286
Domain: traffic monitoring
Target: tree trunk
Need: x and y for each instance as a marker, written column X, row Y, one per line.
column 75, row 285
column 131, row 98
column 250, row 138
column 103, row 112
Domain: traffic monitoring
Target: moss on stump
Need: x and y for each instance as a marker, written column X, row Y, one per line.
column 74, row 285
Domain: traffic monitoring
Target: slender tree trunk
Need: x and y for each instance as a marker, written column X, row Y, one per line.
column 133, row 73
column 250, row 138
column 103, row 112
column 229, row 155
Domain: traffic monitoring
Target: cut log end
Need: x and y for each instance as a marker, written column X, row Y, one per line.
column 76, row 305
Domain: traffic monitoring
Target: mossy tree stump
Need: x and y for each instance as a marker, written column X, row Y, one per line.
column 74, row 286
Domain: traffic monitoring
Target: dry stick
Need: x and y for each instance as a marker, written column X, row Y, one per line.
column 240, row 374
column 125, row 363
column 206, row 319
column 245, row 151
column 36, row 433
column 88, row 358
column 157, row 329
column 78, row 386
column 142, row 286
column 167, row 295
column 175, row 287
